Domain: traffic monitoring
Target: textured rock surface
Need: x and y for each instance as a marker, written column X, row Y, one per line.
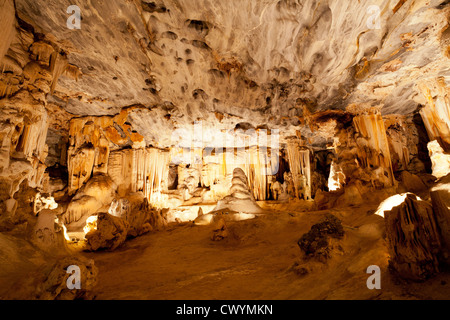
column 152, row 109
column 174, row 58
column 49, row 282
column 111, row 233
column 55, row 285
column 440, row 198
column 414, row 240
column 440, row 161
column 140, row 216
column 317, row 243
column 98, row 193
column 240, row 198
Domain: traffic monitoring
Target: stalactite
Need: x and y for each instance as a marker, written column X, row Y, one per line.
column 300, row 166
column 257, row 163
column 99, row 134
column 256, row 171
column 58, row 64
column 373, row 145
column 140, row 170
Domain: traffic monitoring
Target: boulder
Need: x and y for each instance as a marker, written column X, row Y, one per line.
column 318, row 242
column 110, row 234
column 412, row 182
column 55, row 285
column 137, row 212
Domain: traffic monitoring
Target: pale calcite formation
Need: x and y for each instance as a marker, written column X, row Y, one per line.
column 140, row 170
column 436, row 112
column 95, row 195
column 439, row 159
column 240, row 198
column 23, row 131
column 300, row 165
column 214, row 169
column 91, row 139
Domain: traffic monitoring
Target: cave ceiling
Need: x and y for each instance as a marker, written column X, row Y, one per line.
column 240, row 64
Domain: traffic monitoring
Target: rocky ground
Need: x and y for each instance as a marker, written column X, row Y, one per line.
column 258, row 259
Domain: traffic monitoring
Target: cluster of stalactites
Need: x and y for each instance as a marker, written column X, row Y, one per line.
column 257, row 163
column 140, row 170
column 373, row 145
column 300, row 167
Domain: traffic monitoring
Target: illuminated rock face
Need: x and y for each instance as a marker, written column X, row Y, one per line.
column 176, row 59
column 440, row 160
column 436, row 112
column 271, row 82
column 152, row 107
column 441, row 205
column 240, row 198
column 300, row 166
column 98, row 193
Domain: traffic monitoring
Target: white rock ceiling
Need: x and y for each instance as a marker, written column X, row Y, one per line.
column 256, row 62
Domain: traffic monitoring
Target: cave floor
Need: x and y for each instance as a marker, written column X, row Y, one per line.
column 256, row 261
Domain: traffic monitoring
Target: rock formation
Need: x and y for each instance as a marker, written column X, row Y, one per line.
column 137, row 212
column 240, row 198
column 95, row 195
column 440, row 198
column 317, row 243
column 414, row 239
column 440, row 160
column 138, row 114
column 110, row 234
column 51, row 282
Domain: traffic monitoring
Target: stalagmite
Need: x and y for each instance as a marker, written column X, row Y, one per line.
column 413, row 239
column 240, row 198
column 440, row 199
